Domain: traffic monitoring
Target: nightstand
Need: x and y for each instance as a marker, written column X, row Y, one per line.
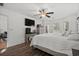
column 28, row 37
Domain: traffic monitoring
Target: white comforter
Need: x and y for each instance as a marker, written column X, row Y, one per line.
column 55, row 42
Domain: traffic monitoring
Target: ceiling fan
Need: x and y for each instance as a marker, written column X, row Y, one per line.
column 43, row 13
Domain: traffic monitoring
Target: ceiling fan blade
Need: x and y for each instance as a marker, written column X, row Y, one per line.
column 48, row 16
column 50, row 13
column 37, row 14
column 40, row 11
column 40, row 16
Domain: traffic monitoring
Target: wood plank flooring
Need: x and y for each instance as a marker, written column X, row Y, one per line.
column 23, row 50
column 3, row 44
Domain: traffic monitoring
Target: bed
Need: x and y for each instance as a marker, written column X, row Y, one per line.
column 54, row 43
column 60, row 39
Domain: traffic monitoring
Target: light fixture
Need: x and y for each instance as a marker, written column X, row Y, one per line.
column 43, row 13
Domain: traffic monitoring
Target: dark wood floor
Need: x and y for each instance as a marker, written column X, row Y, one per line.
column 23, row 50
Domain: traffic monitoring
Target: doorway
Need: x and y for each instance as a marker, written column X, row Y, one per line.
column 3, row 31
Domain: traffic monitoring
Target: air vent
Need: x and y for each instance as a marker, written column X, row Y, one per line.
column 1, row 4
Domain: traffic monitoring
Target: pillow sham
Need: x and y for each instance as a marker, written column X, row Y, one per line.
column 66, row 33
column 74, row 37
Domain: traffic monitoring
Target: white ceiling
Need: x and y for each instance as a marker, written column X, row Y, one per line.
column 30, row 9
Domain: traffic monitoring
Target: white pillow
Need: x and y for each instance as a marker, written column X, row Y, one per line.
column 74, row 37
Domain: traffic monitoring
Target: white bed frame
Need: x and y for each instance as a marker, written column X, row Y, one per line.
column 48, row 51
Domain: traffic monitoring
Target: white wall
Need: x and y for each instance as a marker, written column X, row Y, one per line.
column 15, row 27
column 3, row 23
column 71, row 19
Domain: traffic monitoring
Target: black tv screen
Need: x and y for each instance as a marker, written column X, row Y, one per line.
column 29, row 22
column 27, row 30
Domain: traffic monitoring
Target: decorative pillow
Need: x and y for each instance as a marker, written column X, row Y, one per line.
column 66, row 33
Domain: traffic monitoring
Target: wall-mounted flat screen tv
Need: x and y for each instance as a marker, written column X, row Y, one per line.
column 29, row 22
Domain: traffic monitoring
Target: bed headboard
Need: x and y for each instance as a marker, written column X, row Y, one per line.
column 58, row 27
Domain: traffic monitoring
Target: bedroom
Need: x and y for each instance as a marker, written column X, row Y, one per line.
column 46, row 22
